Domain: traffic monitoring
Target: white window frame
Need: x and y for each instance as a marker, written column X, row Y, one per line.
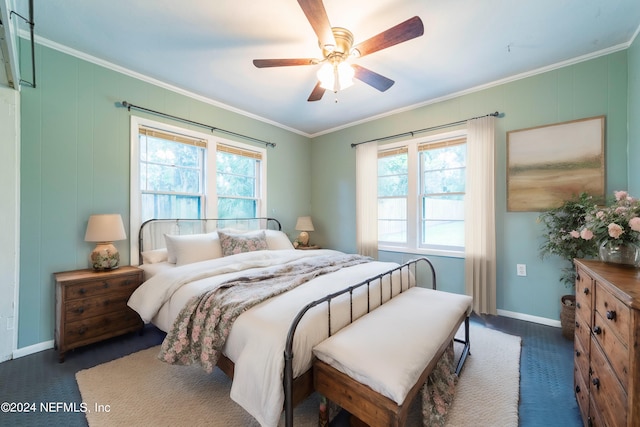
column 413, row 199
column 211, row 200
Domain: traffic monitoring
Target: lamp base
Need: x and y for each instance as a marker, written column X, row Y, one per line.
column 104, row 257
column 303, row 238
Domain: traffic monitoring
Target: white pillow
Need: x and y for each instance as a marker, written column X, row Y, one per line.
column 155, row 256
column 189, row 248
column 277, row 240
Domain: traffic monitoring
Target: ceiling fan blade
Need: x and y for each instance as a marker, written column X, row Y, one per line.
column 407, row 30
column 265, row 63
column 317, row 16
column 317, row 93
column 372, row 78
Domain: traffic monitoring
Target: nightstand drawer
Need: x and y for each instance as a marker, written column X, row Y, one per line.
column 616, row 350
column 78, row 309
column 607, row 392
column 88, row 330
column 102, row 286
column 614, row 313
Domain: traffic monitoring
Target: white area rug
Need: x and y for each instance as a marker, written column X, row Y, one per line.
column 139, row 390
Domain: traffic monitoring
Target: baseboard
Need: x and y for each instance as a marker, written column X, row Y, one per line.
column 36, row 348
column 530, row 318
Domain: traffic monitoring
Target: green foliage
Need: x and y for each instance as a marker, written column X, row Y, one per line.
column 562, row 238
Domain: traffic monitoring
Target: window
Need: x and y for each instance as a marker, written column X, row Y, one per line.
column 180, row 173
column 421, row 189
column 172, row 175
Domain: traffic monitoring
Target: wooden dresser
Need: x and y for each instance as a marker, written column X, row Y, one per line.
column 607, row 344
column 92, row 306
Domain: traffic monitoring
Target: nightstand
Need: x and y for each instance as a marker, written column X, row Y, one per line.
column 91, row 306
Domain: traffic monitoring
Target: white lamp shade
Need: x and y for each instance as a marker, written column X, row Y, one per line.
column 304, row 224
column 105, row 228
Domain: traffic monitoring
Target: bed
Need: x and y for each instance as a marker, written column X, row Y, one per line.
column 184, row 259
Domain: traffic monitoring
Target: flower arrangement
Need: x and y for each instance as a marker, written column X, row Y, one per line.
column 563, row 237
column 619, row 222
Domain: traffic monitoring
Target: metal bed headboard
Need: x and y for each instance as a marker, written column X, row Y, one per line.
column 151, row 234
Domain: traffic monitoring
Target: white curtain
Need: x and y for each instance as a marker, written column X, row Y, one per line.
column 367, row 199
column 480, row 227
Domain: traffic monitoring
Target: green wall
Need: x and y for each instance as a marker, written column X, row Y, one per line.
column 75, row 162
column 590, row 88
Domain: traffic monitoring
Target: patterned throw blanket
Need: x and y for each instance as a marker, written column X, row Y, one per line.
column 201, row 329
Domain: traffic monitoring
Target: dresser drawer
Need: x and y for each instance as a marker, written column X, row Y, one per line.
column 581, row 359
column 616, row 351
column 617, row 315
column 582, row 392
column 105, row 326
column 607, row 392
column 584, row 295
column 79, row 309
column 100, row 286
column 582, row 332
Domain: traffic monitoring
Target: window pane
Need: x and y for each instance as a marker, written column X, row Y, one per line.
column 444, row 181
column 443, row 233
column 169, row 152
column 393, row 185
column 235, row 164
column 443, row 220
column 164, row 206
column 234, row 185
column 395, row 208
column 392, row 231
column 445, row 157
column 236, row 208
column 169, row 178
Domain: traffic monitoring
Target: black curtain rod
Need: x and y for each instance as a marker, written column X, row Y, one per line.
column 412, row 133
column 212, row 128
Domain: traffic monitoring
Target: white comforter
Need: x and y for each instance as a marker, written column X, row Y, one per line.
column 257, row 339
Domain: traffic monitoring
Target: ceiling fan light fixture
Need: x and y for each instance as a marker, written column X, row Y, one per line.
column 336, row 76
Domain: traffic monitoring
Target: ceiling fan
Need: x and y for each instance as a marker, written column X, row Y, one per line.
column 337, row 46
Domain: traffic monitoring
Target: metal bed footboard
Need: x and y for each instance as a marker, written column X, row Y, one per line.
column 288, row 352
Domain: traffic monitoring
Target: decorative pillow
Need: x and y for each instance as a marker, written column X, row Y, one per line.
column 277, row 240
column 246, row 242
column 155, row 256
column 189, row 248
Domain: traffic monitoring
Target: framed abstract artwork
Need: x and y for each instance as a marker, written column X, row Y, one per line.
column 548, row 165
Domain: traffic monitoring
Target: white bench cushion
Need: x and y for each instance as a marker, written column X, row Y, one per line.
column 390, row 347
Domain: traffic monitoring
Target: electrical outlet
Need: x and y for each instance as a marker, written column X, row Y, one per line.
column 521, row 269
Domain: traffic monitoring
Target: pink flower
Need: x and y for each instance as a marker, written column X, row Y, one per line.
column 574, row 234
column 620, row 195
column 615, row 230
column 586, row 234
column 599, row 214
column 634, row 223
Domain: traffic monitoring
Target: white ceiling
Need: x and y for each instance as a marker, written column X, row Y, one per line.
column 206, row 47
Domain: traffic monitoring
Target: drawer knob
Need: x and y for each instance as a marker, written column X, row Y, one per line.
column 80, row 310
column 585, row 291
column 577, row 389
column 82, row 330
column 611, row 314
column 578, row 305
column 596, row 382
column 105, row 285
column 578, row 353
column 82, row 291
column 597, row 330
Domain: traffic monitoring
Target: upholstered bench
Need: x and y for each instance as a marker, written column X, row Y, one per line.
column 376, row 366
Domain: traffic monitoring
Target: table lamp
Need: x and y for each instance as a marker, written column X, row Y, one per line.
column 304, row 225
column 104, row 230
